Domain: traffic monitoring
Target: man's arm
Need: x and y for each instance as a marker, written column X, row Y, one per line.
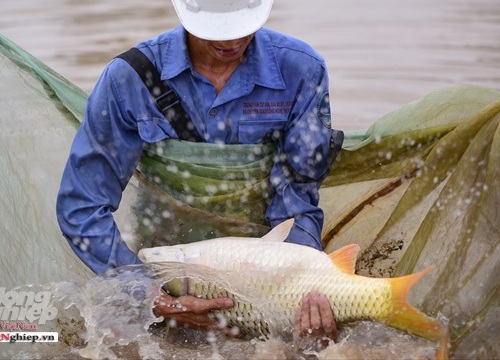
column 104, row 154
column 103, row 157
column 303, row 162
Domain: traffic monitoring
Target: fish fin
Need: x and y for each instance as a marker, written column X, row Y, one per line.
column 177, row 287
column 279, row 232
column 345, row 258
column 405, row 316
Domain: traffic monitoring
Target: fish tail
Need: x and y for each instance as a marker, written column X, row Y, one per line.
column 405, row 316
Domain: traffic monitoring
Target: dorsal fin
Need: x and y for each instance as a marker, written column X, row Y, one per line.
column 345, row 258
column 279, row 232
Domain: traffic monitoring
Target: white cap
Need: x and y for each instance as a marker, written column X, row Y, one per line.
column 222, row 19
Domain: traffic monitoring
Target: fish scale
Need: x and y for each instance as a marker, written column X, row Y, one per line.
column 363, row 301
column 268, row 278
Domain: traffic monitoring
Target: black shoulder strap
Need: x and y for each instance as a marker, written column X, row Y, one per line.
column 166, row 99
column 337, row 141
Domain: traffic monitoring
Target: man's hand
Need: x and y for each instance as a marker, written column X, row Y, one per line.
column 314, row 322
column 194, row 312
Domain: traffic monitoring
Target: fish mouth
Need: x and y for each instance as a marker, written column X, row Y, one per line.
column 142, row 256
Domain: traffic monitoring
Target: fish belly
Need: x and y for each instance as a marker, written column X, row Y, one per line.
column 266, row 302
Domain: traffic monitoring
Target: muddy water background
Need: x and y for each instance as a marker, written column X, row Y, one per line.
column 380, row 54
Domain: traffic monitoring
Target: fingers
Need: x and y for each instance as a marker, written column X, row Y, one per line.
column 305, row 316
column 327, row 319
column 314, row 313
column 315, row 318
column 309, row 317
column 166, row 305
column 198, row 305
column 193, row 312
column 192, row 304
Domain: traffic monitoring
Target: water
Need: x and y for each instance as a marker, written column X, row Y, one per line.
column 380, row 55
column 107, row 318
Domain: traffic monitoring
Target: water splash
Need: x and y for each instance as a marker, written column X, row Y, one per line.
column 111, row 317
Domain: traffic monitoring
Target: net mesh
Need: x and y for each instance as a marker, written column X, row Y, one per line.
column 419, row 187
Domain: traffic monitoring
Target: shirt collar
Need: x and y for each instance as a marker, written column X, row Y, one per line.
column 176, row 54
column 261, row 65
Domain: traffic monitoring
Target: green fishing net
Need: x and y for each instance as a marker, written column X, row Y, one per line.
column 419, row 187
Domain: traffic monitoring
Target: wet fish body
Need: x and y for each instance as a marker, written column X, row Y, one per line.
column 268, row 279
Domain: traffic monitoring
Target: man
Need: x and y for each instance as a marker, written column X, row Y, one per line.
column 239, row 84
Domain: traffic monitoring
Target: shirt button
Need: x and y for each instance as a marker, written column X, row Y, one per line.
column 213, row 112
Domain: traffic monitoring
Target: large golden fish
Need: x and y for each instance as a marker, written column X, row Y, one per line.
column 280, row 274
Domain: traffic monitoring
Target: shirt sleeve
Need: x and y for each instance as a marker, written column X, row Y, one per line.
column 302, row 163
column 103, row 156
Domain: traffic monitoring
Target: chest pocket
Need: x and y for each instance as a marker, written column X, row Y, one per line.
column 259, row 131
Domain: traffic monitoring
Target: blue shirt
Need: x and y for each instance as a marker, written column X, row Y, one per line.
column 280, row 92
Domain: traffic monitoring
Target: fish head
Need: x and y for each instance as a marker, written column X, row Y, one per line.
column 206, row 252
column 161, row 254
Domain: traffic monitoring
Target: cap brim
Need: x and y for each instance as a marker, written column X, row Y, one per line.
column 223, row 25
